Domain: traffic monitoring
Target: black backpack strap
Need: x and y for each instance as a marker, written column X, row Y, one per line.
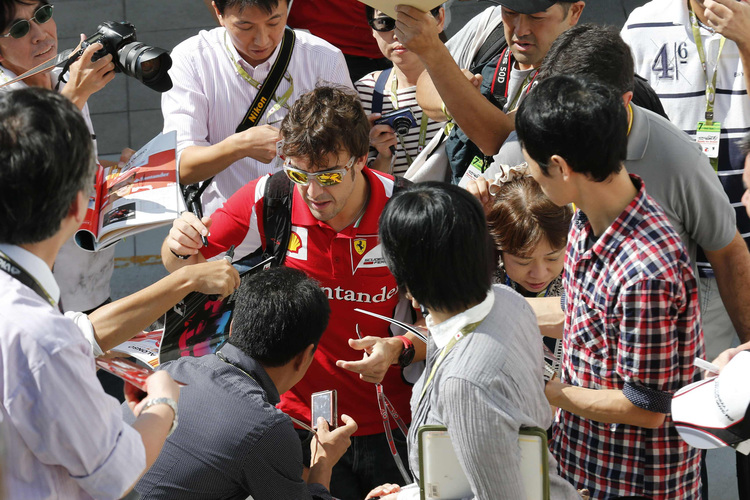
column 277, row 222
column 379, row 91
column 277, row 216
column 492, row 46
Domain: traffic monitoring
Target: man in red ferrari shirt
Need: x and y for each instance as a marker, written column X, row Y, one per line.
column 336, row 205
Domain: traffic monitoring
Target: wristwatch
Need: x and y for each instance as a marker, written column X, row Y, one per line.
column 164, row 401
column 407, row 355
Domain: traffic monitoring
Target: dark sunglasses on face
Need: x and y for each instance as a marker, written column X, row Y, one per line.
column 22, row 27
column 385, row 23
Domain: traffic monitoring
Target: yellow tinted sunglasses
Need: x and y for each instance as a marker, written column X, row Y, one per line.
column 325, row 178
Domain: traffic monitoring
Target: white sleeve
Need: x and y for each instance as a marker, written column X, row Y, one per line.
column 185, row 107
column 63, row 415
column 84, row 324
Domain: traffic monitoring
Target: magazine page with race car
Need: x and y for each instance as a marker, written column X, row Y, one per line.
column 141, row 195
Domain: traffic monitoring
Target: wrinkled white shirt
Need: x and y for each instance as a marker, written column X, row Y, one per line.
column 65, row 438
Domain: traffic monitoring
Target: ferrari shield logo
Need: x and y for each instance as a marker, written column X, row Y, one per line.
column 360, row 245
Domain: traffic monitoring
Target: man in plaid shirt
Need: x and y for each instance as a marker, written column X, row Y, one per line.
column 632, row 325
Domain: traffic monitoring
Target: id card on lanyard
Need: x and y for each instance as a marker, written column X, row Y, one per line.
column 708, row 131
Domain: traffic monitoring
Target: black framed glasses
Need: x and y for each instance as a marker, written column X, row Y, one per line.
column 385, row 23
column 21, row 28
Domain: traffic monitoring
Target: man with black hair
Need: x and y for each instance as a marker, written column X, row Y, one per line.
column 335, row 205
column 484, row 374
column 217, row 76
column 479, row 106
column 63, row 436
column 632, row 321
column 232, row 441
column 678, row 175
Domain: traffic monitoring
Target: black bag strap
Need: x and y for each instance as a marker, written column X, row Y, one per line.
column 379, row 91
column 270, row 84
column 492, row 46
column 277, row 221
column 193, row 192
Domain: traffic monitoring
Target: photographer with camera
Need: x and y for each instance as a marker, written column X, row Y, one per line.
column 394, row 145
column 28, row 38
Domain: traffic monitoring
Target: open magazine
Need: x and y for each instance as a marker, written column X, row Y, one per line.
column 142, row 195
column 144, row 347
column 199, row 324
column 128, row 371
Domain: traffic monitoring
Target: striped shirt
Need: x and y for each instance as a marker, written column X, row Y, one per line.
column 661, row 38
column 632, row 323
column 210, row 97
column 405, row 98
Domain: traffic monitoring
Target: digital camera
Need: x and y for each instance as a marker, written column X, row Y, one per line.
column 400, row 120
column 145, row 63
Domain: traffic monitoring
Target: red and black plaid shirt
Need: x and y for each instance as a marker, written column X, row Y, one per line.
column 632, row 324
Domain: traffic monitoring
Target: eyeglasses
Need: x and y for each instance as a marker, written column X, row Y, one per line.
column 325, row 179
column 22, row 27
column 385, row 23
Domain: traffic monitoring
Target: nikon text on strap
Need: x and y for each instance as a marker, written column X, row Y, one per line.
column 266, row 92
column 270, row 84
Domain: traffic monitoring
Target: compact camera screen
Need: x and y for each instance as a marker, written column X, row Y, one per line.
column 324, row 404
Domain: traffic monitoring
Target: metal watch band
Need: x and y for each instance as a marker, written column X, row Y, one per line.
column 164, row 401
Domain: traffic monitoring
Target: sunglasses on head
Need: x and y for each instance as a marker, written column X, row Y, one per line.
column 21, row 28
column 385, row 23
column 325, row 179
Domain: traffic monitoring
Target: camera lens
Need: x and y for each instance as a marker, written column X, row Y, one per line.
column 401, row 125
column 147, row 64
column 150, row 68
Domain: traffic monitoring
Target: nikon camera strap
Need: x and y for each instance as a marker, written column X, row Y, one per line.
column 265, row 94
column 270, row 84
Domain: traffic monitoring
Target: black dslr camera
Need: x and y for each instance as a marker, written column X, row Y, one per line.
column 147, row 64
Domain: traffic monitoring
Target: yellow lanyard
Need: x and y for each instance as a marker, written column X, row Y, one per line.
column 710, row 83
column 450, row 345
column 393, row 96
column 280, row 102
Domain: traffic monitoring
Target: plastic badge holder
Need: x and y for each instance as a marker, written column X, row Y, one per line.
column 441, row 476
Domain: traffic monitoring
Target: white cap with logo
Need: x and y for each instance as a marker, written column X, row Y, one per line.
column 715, row 412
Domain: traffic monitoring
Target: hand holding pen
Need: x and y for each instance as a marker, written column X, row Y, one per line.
column 227, row 257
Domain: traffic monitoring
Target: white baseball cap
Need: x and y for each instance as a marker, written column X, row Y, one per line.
column 716, row 412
